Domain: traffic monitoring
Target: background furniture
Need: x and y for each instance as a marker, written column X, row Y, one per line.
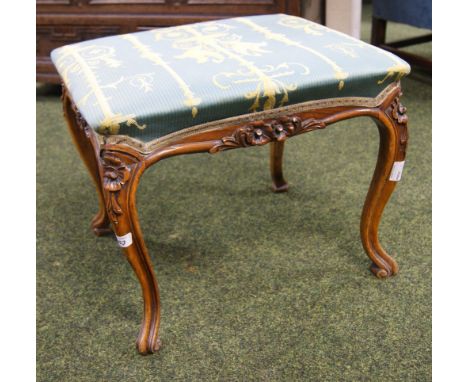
column 61, row 22
column 417, row 13
column 344, row 16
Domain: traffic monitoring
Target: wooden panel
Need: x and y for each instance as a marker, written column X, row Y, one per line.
column 134, row 2
column 53, row 2
column 61, row 22
column 50, row 37
column 176, row 7
column 239, row 2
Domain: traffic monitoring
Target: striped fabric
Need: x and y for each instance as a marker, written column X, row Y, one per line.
column 149, row 84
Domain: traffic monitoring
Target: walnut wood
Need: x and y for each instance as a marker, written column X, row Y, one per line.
column 392, row 125
column 88, row 147
column 276, row 167
column 121, row 173
column 64, row 22
column 119, row 168
column 117, row 173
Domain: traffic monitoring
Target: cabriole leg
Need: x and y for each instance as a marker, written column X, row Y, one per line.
column 392, row 124
column 121, row 174
column 90, row 154
column 276, row 167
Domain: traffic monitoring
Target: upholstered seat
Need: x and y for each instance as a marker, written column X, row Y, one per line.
column 215, row 86
column 149, row 84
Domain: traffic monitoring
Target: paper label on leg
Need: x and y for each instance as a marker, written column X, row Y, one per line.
column 125, row 240
column 397, row 170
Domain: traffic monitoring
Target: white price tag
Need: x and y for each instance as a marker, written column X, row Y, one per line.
column 125, row 240
column 397, row 170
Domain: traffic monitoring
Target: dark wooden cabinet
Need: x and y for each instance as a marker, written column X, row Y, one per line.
column 61, row 22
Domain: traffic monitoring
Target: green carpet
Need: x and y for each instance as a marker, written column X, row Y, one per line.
column 255, row 286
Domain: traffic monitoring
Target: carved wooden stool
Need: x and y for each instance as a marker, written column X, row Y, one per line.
column 134, row 99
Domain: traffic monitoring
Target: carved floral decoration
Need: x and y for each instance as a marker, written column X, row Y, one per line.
column 116, row 174
column 398, row 113
column 263, row 132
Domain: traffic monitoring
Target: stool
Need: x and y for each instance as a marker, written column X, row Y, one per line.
column 135, row 99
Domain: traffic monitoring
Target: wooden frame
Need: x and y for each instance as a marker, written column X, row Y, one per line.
column 378, row 32
column 116, row 167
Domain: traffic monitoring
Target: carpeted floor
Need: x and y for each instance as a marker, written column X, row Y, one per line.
column 255, row 286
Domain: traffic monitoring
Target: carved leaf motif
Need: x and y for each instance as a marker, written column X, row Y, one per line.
column 116, row 174
column 263, row 132
column 398, row 112
column 80, row 121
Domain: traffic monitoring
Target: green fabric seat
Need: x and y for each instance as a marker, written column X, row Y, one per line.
column 149, row 84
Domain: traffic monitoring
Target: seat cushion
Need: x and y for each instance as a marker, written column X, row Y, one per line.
column 149, row 84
